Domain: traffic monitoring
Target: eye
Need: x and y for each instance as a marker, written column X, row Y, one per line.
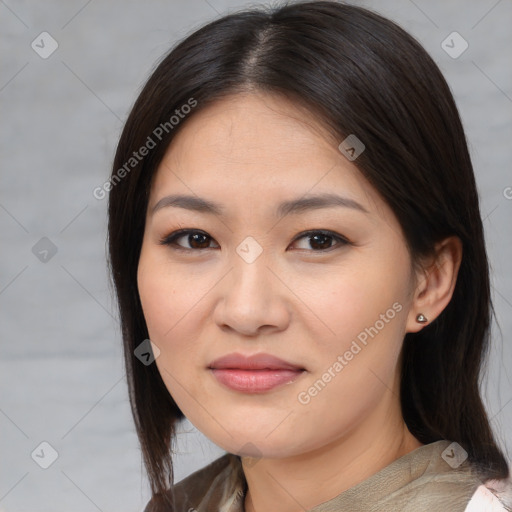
column 194, row 238
column 321, row 240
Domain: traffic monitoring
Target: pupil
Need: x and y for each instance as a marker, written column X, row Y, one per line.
column 196, row 237
column 323, row 244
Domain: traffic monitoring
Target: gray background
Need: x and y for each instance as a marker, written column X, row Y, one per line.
column 61, row 368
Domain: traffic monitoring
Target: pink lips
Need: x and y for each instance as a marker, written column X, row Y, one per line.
column 254, row 374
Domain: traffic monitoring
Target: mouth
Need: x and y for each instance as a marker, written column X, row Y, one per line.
column 254, row 374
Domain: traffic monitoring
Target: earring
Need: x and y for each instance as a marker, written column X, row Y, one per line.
column 421, row 318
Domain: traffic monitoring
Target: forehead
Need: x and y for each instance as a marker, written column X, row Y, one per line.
column 246, row 125
column 259, row 146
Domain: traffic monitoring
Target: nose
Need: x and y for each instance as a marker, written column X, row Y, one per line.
column 252, row 300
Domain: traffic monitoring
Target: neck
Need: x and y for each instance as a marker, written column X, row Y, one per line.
column 303, row 481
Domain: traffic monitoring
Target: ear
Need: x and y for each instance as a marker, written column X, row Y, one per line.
column 435, row 283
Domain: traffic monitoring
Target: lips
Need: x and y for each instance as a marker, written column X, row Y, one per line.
column 254, row 362
column 257, row 373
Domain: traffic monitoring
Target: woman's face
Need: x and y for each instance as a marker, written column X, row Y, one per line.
column 274, row 265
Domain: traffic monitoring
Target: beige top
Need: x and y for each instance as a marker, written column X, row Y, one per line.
column 421, row 481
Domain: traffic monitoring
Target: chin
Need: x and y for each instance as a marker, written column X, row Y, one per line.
column 259, row 445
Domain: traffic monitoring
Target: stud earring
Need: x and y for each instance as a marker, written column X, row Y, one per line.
column 421, row 318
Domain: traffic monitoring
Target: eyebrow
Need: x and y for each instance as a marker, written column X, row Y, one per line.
column 294, row 206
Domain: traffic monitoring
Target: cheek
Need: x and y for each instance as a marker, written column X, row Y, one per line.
column 171, row 303
column 166, row 296
column 355, row 367
column 365, row 311
column 175, row 307
column 368, row 295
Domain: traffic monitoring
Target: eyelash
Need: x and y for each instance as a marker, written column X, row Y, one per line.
column 170, row 240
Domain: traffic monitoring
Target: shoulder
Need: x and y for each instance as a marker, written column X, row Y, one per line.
column 217, row 482
column 450, row 484
column 494, row 496
column 433, row 477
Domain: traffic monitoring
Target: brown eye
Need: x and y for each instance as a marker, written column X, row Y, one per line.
column 198, row 240
column 190, row 240
column 320, row 240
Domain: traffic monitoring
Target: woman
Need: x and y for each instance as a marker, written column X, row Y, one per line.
column 294, row 224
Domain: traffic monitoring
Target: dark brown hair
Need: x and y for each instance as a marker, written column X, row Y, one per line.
column 357, row 73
